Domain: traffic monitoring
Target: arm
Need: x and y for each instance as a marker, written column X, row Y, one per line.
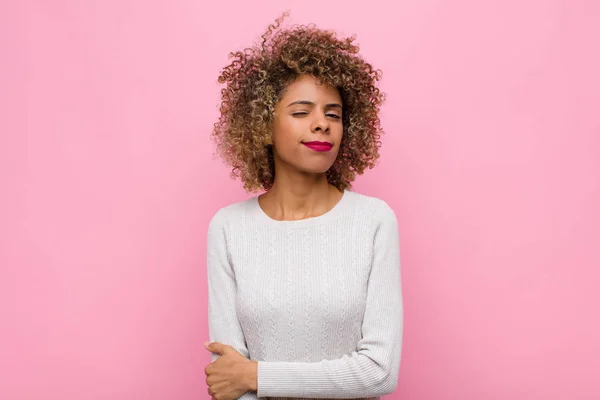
column 373, row 369
column 223, row 324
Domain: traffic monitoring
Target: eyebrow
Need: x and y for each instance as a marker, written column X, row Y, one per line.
column 310, row 103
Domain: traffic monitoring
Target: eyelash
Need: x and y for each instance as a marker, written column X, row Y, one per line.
column 329, row 115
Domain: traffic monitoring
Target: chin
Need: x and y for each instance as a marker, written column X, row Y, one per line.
column 314, row 169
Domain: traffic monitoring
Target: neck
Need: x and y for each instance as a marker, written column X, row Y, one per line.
column 299, row 196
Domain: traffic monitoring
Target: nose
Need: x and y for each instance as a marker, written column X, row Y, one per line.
column 320, row 124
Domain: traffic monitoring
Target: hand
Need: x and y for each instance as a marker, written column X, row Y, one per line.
column 231, row 375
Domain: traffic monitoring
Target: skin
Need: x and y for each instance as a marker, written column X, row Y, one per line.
column 300, row 190
column 231, row 375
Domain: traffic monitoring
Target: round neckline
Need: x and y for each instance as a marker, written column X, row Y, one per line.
column 319, row 219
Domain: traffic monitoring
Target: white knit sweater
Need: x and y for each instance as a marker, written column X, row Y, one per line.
column 317, row 302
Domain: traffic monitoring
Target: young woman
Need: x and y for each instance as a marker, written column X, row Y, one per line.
column 304, row 280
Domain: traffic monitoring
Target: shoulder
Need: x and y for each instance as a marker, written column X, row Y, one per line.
column 377, row 208
column 224, row 216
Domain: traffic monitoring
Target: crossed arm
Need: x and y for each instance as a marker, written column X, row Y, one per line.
column 370, row 371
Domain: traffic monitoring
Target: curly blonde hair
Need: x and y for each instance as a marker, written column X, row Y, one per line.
column 255, row 81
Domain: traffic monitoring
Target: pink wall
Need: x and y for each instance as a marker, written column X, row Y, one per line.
column 492, row 163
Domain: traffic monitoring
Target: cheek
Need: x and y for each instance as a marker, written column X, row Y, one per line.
column 287, row 132
column 337, row 134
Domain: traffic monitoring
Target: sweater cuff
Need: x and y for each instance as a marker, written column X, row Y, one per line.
column 251, row 395
column 272, row 381
column 266, row 379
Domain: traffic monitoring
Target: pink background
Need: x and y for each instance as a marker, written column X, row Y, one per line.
column 491, row 161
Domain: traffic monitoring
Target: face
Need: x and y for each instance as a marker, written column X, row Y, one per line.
column 307, row 126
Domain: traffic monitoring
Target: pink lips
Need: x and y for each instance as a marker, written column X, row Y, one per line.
column 318, row 146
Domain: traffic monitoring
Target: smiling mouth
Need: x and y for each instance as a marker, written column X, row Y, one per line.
column 318, row 146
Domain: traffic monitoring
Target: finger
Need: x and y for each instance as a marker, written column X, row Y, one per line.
column 216, row 347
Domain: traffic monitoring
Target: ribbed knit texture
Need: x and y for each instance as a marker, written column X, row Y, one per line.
column 317, row 302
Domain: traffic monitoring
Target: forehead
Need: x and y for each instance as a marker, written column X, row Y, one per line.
column 308, row 87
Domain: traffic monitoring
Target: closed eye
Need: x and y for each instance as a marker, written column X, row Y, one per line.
column 303, row 113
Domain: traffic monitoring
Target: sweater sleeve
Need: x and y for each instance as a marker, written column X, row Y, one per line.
column 373, row 369
column 223, row 323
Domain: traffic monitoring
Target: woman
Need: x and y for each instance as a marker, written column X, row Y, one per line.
column 304, row 280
